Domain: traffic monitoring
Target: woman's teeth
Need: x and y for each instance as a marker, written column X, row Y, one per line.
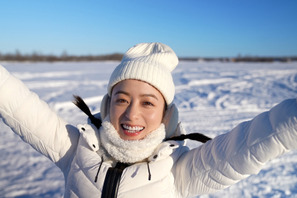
column 132, row 129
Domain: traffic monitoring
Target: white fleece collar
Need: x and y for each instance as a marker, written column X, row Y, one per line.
column 129, row 151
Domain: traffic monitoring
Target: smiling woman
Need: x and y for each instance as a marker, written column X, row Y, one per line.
column 136, row 109
column 131, row 147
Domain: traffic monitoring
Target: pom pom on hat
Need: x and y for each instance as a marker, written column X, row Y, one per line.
column 148, row 62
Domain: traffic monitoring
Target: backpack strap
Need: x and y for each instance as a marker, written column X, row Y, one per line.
column 192, row 136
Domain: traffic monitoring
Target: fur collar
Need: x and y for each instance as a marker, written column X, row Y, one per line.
column 129, row 151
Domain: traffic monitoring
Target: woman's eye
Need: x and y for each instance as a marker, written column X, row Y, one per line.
column 121, row 101
column 148, row 104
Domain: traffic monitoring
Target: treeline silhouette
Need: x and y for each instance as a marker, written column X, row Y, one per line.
column 245, row 59
column 38, row 57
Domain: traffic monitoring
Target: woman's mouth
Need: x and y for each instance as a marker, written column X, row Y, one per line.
column 131, row 130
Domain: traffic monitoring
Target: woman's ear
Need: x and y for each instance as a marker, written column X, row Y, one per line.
column 105, row 106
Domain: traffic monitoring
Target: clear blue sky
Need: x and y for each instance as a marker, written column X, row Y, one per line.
column 191, row 27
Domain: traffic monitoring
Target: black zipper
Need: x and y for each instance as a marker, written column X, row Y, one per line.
column 112, row 181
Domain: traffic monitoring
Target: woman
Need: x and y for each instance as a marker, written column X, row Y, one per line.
column 129, row 154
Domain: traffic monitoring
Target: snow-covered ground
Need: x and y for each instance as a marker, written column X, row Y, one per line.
column 212, row 98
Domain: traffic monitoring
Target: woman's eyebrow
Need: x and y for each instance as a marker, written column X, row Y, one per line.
column 122, row 92
column 149, row 95
column 142, row 95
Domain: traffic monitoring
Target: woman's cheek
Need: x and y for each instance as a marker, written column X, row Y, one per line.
column 154, row 118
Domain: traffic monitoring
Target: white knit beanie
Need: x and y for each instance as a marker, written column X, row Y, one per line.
column 148, row 62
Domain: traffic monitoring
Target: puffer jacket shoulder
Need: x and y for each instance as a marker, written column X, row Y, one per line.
column 234, row 156
column 33, row 120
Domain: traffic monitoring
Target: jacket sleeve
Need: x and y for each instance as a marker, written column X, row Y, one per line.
column 33, row 120
column 234, row 156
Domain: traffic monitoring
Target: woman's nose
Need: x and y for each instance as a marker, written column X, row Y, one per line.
column 132, row 112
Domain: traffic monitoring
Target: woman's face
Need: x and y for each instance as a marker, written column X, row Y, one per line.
column 136, row 109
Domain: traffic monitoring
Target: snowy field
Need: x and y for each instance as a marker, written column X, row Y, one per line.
column 212, row 98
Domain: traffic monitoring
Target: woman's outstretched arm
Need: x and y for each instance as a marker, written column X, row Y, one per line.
column 33, row 120
column 234, row 156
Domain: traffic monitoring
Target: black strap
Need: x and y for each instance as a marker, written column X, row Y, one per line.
column 192, row 136
column 79, row 102
column 112, row 181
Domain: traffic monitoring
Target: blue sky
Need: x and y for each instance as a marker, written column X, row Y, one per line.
column 204, row 28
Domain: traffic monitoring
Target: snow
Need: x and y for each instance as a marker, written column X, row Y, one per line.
column 212, row 97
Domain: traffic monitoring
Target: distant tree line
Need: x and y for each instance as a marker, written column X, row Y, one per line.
column 38, row 57
column 245, row 59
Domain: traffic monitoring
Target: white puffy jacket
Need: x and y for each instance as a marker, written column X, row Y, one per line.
column 175, row 171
